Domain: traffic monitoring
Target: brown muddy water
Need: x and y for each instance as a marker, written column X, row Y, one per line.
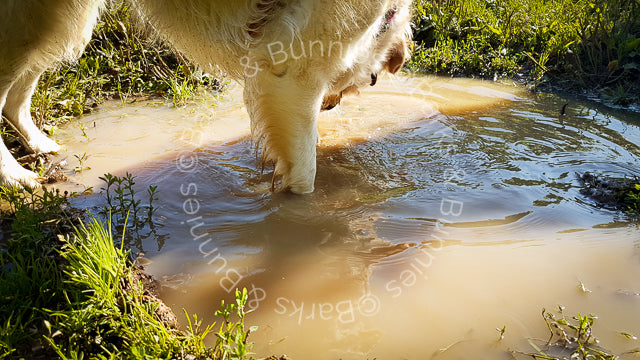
column 443, row 209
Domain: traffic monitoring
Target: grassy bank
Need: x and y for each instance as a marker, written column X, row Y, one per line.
column 567, row 44
column 67, row 292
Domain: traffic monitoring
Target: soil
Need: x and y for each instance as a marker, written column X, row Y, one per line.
column 139, row 281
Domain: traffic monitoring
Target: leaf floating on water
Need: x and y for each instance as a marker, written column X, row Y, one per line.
column 442, row 350
column 628, row 335
column 501, row 331
column 633, row 352
column 278, row 342
column 583, row 288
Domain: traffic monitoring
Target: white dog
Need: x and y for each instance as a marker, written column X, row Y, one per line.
column 295, row 57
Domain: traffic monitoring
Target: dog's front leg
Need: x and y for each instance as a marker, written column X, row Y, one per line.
column 284, row 122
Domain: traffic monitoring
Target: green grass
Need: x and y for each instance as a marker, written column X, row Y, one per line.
column 67, row 292
column 632, row 198
column 570, row 43
column 120, row 61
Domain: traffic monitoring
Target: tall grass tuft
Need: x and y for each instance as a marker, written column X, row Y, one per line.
column 75, row 295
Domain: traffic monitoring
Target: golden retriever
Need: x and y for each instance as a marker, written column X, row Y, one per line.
column 295, row 57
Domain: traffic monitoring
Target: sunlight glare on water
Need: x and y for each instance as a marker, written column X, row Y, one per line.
column 444, row 209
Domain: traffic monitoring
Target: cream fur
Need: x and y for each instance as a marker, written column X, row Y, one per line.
column 290, row 54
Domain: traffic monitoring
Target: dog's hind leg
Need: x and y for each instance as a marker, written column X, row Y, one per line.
column 18, row 111
column 284, row 120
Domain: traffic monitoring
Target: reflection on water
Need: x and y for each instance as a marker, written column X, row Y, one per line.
column 444, row 209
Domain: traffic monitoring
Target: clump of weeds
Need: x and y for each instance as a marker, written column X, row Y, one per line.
column 570, row 339
column 130, row 218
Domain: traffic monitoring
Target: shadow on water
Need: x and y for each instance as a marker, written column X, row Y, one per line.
column 443, row 209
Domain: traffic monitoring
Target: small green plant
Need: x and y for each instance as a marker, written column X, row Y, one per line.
column 129, row 216
column 232, row 336
column 501, row 332
column 83, row 129
column 81, row 160
column 124, row 201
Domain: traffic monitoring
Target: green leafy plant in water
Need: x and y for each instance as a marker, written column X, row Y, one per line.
column 232, row 336
column 574, row 335
column 81, row 160
column 125, row 208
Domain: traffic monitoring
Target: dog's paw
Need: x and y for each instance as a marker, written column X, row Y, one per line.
column 297, row 183
column 19, row 177
column 41, row 144
column 300, row 189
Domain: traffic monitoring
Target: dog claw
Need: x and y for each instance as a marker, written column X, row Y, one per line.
column 374, row 79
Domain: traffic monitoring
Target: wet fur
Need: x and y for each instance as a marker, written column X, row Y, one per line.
column 283, row 98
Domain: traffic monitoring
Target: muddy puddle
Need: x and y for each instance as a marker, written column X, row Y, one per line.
column 443, row 209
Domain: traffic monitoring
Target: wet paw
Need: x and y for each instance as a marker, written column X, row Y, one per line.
column 19, row 177
column 300, row 189
column 298, row 186
column 41, row 144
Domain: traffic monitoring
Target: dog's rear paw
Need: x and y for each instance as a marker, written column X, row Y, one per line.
column 41, row 144
column 19, row 177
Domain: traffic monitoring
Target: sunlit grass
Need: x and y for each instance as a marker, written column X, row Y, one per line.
column 577, row 43
column 66, row 291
